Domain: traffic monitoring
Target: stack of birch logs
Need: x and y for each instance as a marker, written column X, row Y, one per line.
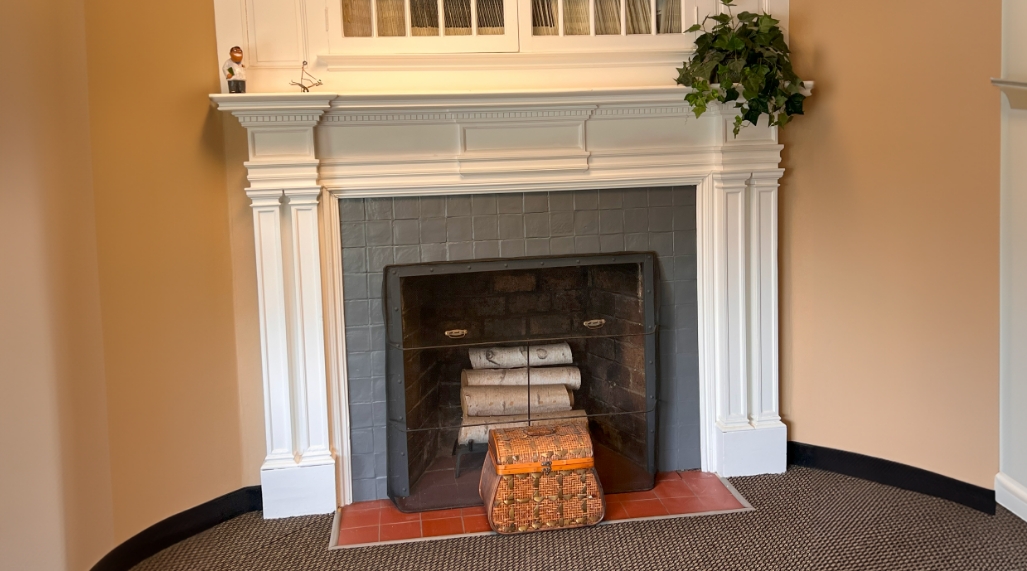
column 496, row 392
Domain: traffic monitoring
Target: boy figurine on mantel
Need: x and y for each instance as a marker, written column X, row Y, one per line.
column 235, row 71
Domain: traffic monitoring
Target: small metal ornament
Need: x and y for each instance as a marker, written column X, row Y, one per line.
column 305, row 77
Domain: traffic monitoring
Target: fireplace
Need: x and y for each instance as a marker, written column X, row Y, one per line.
column 602, row 307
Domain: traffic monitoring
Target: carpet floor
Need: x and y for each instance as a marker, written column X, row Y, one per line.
column 804, row 520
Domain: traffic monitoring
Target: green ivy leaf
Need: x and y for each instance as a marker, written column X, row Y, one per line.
column 694, row 28
column 794, row 104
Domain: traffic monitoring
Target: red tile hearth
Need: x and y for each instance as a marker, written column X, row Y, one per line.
column 676, row 494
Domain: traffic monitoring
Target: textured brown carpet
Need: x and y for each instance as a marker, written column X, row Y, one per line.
column 804, row 520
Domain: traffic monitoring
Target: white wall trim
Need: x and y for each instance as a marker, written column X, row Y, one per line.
column 1011, row 495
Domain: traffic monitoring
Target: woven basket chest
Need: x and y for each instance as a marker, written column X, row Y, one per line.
column 541, row 477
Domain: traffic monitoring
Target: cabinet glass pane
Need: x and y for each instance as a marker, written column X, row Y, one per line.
column 607, row 17
column 575, row 18
column 356, row 18
column 391, row 17
column 638, row 17
column 543, row 17
column 490, row 17
column 458, row 17
column 424, row 18
column 668, row 16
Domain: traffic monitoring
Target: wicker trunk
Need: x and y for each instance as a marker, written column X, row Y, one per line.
column 541, row 477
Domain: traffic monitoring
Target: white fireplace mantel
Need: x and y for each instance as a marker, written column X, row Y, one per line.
column 307, row 150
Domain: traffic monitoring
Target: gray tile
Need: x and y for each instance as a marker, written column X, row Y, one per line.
column 667, row 318
column 365, row 490
column 586, row 244
column 459, row 229
column 378, row 337
column 486, row 227
column 379, row 392
column 351, row 209
column 611, row 243
column 666, row 293
column 374, row 286
column 378, row 365
column 378, row 208
column 536, row 225
column 536, row 202
column 461, row 250
column 362, row 466
column 357, row 312
column 561, row 246
column 407, row 254
column 433, row 230
column 379, row 232
column 661, row 219
column 586, row 222
column 354, row 260
column 636, row 220
column 611, row 221
column 361, row 415
column 511, row 248
column 432, row 206
column 662, row 243
column 684, row 218
column 405, row 232
column 665, row 265
column 660, row 197
column 362, row 441
column 586, row 200
column 352, row 234
column 561, row 200
column 483, row 204
column 636, row 242
column 380, row 439
column 406, row 207
column 685, row 267
column 358, row 365
column 382, row 487
column 684, row 243
column 380, row 465
column 434, row 253
column 512, row 203
column 561, row 223
column 511, row 226
column 358, row 339
column 458, row 206
column 377, row 317
column 361, row 391
column 378, row 257
column 686, row 315
column 635, row 198
column 610, row 198
column 354, row 286
column 684, row 195
column 378, row 413
column 536, row 247
column 486, row 249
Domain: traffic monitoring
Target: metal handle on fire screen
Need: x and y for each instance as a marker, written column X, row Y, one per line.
column 594, row 323
column 456, row 333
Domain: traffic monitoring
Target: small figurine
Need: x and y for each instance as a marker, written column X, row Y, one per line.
column 305, row 77
column 235, row 71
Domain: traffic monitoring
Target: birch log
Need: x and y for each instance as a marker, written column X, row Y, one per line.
column 477, row 428
column 498, row 401
column 515, row 357
column 568, row 376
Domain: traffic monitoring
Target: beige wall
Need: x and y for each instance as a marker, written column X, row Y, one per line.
column 889, row 243
column 164, row 258
column 56, row 482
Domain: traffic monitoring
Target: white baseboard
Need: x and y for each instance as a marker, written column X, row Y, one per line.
column 300, row 490
column 752, row 451
column 1011, row 495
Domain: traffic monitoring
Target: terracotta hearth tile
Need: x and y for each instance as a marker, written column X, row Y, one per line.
column 371, row 505
column 664, row 476
column 440, row 514
column 400, row 531
column 359, row 535
column 473, row 512
column 704, row 486
column 476, row 524
column 673, row 489
column 392, row 515
column 445, row 526
column 645, row 508
column 720, row 502
column 616, row 511
column 684, row 505
column 358, row 518
column 631, row 496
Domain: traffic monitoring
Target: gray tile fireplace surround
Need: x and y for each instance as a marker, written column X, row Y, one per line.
column 377, row 232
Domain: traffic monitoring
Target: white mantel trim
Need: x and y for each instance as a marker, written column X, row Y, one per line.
column 314, row 148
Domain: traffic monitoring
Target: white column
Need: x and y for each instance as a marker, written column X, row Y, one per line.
column 298, row 473
column 764, row 297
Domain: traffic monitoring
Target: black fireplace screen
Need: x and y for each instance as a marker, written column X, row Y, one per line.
column 479, row 344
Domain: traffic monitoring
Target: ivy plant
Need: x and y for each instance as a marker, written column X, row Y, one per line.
column 743, row 59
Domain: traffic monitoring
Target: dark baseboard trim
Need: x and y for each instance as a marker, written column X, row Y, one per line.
column 164, row 534
column 892, row 474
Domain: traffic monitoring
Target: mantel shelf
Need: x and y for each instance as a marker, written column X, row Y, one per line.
column 1016, row 91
